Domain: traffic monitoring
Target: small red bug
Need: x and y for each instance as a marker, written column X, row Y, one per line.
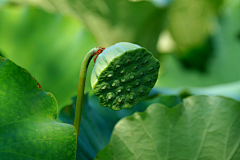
column 99, row 51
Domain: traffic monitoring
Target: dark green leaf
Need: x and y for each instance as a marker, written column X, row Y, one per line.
column 28, row 129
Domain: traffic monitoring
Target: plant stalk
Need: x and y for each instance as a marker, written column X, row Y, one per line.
column 81, row 86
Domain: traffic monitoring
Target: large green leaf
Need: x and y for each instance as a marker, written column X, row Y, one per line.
column 50, row 46
column 200, row 128
column 97, row 122
column 28, row 129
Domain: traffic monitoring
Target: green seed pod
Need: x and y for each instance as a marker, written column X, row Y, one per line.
column 124, row 75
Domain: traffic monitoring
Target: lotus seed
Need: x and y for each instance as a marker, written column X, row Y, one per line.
column 114, row 84
column 122, row 72
column 122, row 80
column 104, row 87
column 137, row 83
column 151, row 68
column 145, row 62
column 110, row 76
column 141, row 91
column 128, row 90
column 119, row 101
column 132, row 76
column 131, row 97
column 117, row 66
column 119, row 91
column 149, row 80
column 135, row 67
column 109, row 97
column 138, row 58
column 128, row 60
column 141, row 73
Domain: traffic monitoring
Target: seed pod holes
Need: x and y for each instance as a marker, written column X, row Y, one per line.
column 124, row 70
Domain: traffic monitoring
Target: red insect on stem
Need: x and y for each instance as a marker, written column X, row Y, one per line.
column 99, row 51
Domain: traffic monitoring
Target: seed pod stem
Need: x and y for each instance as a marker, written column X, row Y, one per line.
column 81, row 86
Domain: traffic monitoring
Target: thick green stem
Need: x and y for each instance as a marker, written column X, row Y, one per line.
column 81, row 85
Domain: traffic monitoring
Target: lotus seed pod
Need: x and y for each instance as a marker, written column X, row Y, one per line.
column 124, row 75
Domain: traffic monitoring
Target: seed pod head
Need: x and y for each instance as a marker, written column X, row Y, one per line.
column 124, row 75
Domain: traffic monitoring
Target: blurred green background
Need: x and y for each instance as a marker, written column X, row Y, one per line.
column 197, row 42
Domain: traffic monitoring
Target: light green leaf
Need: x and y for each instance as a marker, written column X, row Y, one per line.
column 111, row 22
column 28, row 129
column 50, row 46
column 200, row 128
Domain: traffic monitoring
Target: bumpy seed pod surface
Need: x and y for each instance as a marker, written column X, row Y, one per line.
column 124, row 75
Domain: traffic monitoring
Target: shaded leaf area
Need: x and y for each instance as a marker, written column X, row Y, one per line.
column 97, row 122
column 111, row 22
column 50, row 46
column 199, row 128
column 197, row 58
column 224, row 64
column 28, row 129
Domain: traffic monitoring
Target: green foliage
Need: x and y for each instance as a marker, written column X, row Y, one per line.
column 200, row 128
column 123, row 75
column 98, row 122
column 50, row 46
column 224, row 63
column 111, row 22
column 28, row 129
